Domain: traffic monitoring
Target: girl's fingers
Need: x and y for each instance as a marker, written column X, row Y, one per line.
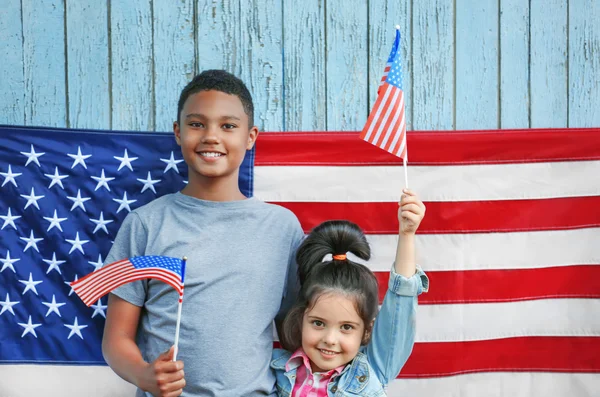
column 411, row 202
column 410, row 199
column 410, row 216
column 415, row 208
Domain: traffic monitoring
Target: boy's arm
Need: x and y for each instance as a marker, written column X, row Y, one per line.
column 163, row 377
column 118, row 344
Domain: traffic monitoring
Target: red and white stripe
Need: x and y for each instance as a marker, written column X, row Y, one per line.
column 386, row 125
column 99, row 283
column 386, row 71
column 510, row 243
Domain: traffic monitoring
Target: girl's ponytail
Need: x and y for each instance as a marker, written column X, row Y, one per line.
column 331, row 237
column 338, row 275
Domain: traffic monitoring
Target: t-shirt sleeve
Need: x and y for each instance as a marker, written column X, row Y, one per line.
column 130, row 241
column 292, row 285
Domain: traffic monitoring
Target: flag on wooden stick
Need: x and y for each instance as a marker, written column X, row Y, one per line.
column 100, row 282
column 386, row 126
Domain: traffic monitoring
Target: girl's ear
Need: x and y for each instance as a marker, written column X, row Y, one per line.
column 368, row 331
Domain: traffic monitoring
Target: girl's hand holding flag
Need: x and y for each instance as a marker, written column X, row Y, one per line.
column 411, row 211
column 386, row 129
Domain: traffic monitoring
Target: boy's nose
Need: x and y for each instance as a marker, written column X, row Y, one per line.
column 211, row 135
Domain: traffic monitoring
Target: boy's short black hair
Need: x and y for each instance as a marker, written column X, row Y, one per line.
column 218, row 80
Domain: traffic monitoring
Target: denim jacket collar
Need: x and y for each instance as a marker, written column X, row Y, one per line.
column 354, row 377
column 357, row 376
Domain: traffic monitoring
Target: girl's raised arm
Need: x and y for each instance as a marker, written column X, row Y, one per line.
column 394, row 330
column 411, row 211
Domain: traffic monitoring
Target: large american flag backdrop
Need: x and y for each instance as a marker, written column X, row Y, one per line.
column 510, row 243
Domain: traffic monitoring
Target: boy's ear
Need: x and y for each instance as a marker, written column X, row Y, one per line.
column 177, row 132
column 252, row 135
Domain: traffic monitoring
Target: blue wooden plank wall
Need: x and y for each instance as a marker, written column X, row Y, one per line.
column 311, row 64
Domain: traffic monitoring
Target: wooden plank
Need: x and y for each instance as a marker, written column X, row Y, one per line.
column 383, row 17
column 174, row 58
column 261, row 60
column 304, row 65
column 218, row 30
column 347, row 67
column 477, row 58
column 44, row 63
column 12, row 83
column 514, row 64
column 131, row 65
column 87, row 67
column 584, row 63
column 549, row 63
column 433, row 65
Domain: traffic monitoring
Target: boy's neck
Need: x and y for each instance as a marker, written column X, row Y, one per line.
column 214, row 189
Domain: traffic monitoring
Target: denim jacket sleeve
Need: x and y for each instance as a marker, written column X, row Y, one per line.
column 394, row 330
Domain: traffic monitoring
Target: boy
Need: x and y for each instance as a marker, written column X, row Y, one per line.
column 240, row 272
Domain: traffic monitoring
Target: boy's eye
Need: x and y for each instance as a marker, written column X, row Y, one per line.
column 196, row 124
column 347, row 327
column 228, row 126
column 318, row 323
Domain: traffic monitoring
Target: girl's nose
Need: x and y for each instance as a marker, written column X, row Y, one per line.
column 330, row 338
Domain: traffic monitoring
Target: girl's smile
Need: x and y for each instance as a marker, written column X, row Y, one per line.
column 332, row 332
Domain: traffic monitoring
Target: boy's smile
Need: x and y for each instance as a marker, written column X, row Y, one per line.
column 214, row 136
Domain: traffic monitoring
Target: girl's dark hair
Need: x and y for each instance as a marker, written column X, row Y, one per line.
column 318, row 277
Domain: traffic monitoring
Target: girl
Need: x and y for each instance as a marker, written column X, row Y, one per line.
column 333, row 344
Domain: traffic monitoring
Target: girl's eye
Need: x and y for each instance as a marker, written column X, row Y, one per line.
column 347, row 327
column 318, row 323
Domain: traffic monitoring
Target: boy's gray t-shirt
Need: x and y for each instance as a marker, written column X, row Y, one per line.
column 240, row 274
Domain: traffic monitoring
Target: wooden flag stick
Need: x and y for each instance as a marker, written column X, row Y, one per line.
column 178, row 323
column 405, row 173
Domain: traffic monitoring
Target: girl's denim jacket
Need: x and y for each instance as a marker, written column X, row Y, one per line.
column 381, row 360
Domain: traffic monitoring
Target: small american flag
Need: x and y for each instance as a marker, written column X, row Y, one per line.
column 98, row 283
column 386, row 126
